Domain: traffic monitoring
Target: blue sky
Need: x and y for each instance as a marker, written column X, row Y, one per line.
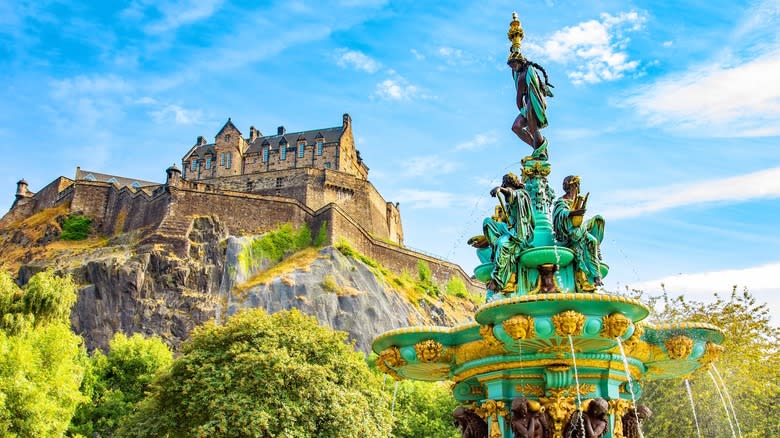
column 670, row 111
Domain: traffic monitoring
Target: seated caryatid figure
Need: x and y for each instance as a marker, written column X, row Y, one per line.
column 583, row 239
column 508, row 238
column 527, row 422
column 632, row 421
column 592, row 423
column 470, row 424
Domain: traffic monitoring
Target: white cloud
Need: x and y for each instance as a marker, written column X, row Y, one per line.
column 761, row 281
column 177, row 114
column 174, row 14
column 716, row 100
column 357, row 60
column 417, row 55
column 427, row 166
column 396, row 89
column 757, row 185
column 595, row 48
column 478, row 142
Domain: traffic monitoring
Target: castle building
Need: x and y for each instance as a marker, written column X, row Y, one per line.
column 251, row 185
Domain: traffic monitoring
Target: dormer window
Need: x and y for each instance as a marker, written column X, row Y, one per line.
column 319, row 147
column 301, row 147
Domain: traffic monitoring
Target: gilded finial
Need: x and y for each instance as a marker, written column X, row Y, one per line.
column 515, row 35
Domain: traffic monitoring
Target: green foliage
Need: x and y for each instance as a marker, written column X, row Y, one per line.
column 322, row 235
column 457, row 287
column 748, row 366
column 425, row 279
column 275, row 245
column 75, row 227
column 423, row 409
column 41, row 360
column 263, row 376
column 117, row 381
column 329, row 284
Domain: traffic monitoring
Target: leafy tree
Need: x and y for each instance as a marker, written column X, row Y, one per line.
column 41, row 360
column 264, row 376
column 118, row 380
column 748, row 366
column 423, row 409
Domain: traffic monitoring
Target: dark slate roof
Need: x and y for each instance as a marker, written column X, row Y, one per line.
column 330, row 135
column 86, row 175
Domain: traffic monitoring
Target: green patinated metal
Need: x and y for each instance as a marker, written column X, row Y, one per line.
column 542, row 266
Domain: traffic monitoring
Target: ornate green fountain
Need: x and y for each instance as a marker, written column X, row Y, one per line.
column 548, row 354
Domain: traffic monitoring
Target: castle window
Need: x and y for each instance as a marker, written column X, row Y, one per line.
column 319, row 147
column 208, row 162
column 266, row 152
column 283, row 151
column 278, row 182
column 301, row 146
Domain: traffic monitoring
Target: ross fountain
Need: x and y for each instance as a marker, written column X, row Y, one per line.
column 549, row 353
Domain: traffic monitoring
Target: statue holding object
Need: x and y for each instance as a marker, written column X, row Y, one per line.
column 508, row 237
column 593, row 423
column 528, row 420
column 531, row 94
column 584, row 239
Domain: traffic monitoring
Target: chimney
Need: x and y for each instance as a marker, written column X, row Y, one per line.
column 281, row 131
column 201, row 140
column 253, row 134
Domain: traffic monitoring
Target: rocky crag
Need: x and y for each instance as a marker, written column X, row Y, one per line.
column 131, row 284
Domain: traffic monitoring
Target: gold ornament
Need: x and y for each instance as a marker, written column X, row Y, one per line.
column 559, row 406
column 711, row 353
column 679, row 347
column 515, row 36
column 568, row 323
column 530, row 389
column 490, row 411
column 615, row 325
column 618, row 407
column 428, row 351
column 520, row 327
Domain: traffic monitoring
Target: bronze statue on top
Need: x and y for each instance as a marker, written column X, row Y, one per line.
column 470, row 424
column 531, row 94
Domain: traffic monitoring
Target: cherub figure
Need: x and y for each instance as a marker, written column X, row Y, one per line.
column 593, row 423
column 470, row 424
column 528, row 423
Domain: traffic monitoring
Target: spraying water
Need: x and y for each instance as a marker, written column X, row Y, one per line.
column 723, row 399
column 577, row 382
column 693, row 407
column 728, row 397
column 630, row 385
